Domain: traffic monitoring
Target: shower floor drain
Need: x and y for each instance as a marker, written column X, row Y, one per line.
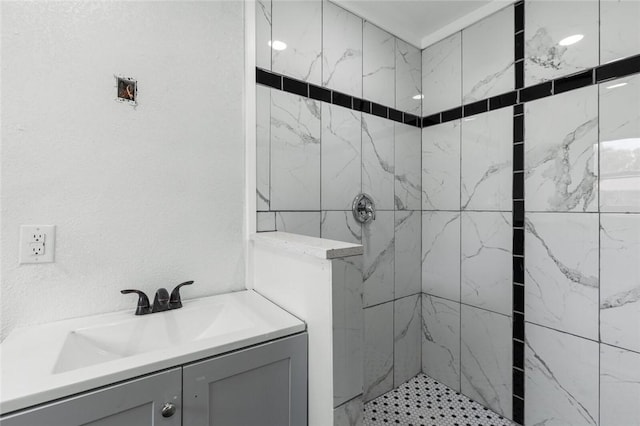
column 425, row 401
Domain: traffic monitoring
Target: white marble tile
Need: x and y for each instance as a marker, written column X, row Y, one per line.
column 619, row 387
column 619, row 29
column 378, row 172
column 619, row 145
column 561, row 146
column 485, row 361
column 487, row 57
column 441, row 75
column 378, row 65
column 561, row 271
column 407, row 253
column 487, row 167
column 620, row 280
column 302, row 223
column 266, row 221
column 295, row 152
column 341, row 157
column 341, row 50
column 408, row 78
column 486, row 277
column 441, row 254
column 407, row 344
column 263, row 146
column 561, row 378
column 299, row 25
column 348, row 330
column 378, row 357
column 263, row 34
column 441, row 340
column 441, row 166
column 340, row 226
column 549, row 22
column 350, row 413
column 407, row 167
column 378, row 259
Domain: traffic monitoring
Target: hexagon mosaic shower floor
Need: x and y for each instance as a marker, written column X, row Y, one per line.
column 423, row 401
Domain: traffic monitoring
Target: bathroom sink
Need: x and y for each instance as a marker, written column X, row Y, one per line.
column 139, row 334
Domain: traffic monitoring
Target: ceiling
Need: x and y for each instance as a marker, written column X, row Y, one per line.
column 423, row 22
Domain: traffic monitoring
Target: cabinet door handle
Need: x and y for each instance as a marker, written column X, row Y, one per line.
column 168, row 409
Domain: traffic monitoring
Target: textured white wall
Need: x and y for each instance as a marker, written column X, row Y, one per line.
column 142, row 197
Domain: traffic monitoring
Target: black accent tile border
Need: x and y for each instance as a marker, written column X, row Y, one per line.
column 502, row 101
column 575, row 81
column 538, row 91
column 395, row 115
column 431, row 120
column 518, row 270
column 295, row 86
column 379, row 110
column 476, row 108
column 451, row 114
column 341, row 99
column 362, row 105
column 617, row 69
column 267, row 78
column 319, row 93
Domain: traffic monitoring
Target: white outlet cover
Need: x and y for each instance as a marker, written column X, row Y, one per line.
column 36, row 235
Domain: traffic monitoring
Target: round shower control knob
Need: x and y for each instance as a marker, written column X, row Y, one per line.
column 168, row 409
column 364, row 210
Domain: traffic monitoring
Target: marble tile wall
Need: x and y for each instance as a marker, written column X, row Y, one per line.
column 314, row 157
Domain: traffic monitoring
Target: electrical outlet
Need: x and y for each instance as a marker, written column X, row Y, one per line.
column 37, row 243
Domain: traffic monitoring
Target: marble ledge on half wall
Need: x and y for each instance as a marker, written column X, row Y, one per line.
column 310, row 246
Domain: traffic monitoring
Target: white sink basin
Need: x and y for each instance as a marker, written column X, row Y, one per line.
column 139, row 334
column 50, row 361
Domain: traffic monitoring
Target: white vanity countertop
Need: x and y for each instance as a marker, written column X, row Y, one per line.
column 310, row 246
column 55, row 360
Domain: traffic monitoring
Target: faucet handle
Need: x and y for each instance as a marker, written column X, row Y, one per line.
column 143, row 301
column 174, row 300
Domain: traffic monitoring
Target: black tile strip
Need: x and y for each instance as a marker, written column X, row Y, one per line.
column 412, row 120
column 574, row 81
column 518, row 109
column 295, row 86
column 518, row 298
column 518, row 354
column 395, row 115
column 620, row 68
column 519, row 46
column 379, row 110
column 518, row 157
column 518, row 270
column 536, row 92
column 518, row 129
column 476, row 108
column 518, row 383
column 268, row 79
column 502, row 101
column 518, row 242
column 519, row 71
column 362, row 105
column 341, row 99
column 518, row 326
column 319, row 93
column 518, row 186
column 452, row 114
column 431, row 120
column 519, row 17
column 518, row 410
column 518, row 216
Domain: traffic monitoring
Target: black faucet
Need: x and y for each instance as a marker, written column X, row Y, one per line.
column 161, row 302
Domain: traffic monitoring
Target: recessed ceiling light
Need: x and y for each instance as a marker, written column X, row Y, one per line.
column 571, row 40
column 277, row 45
column 418, row 97
column 613, row 86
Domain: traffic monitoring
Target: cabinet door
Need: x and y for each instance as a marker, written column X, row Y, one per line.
column 133, row 403
column 261, row 386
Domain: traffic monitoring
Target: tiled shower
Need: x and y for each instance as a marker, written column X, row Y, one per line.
column 503, row 261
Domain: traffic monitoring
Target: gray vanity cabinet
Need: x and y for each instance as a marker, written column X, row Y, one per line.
column 265, row 385
column 137, row 402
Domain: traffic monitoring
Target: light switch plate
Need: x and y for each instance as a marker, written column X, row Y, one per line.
column 37, row 243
